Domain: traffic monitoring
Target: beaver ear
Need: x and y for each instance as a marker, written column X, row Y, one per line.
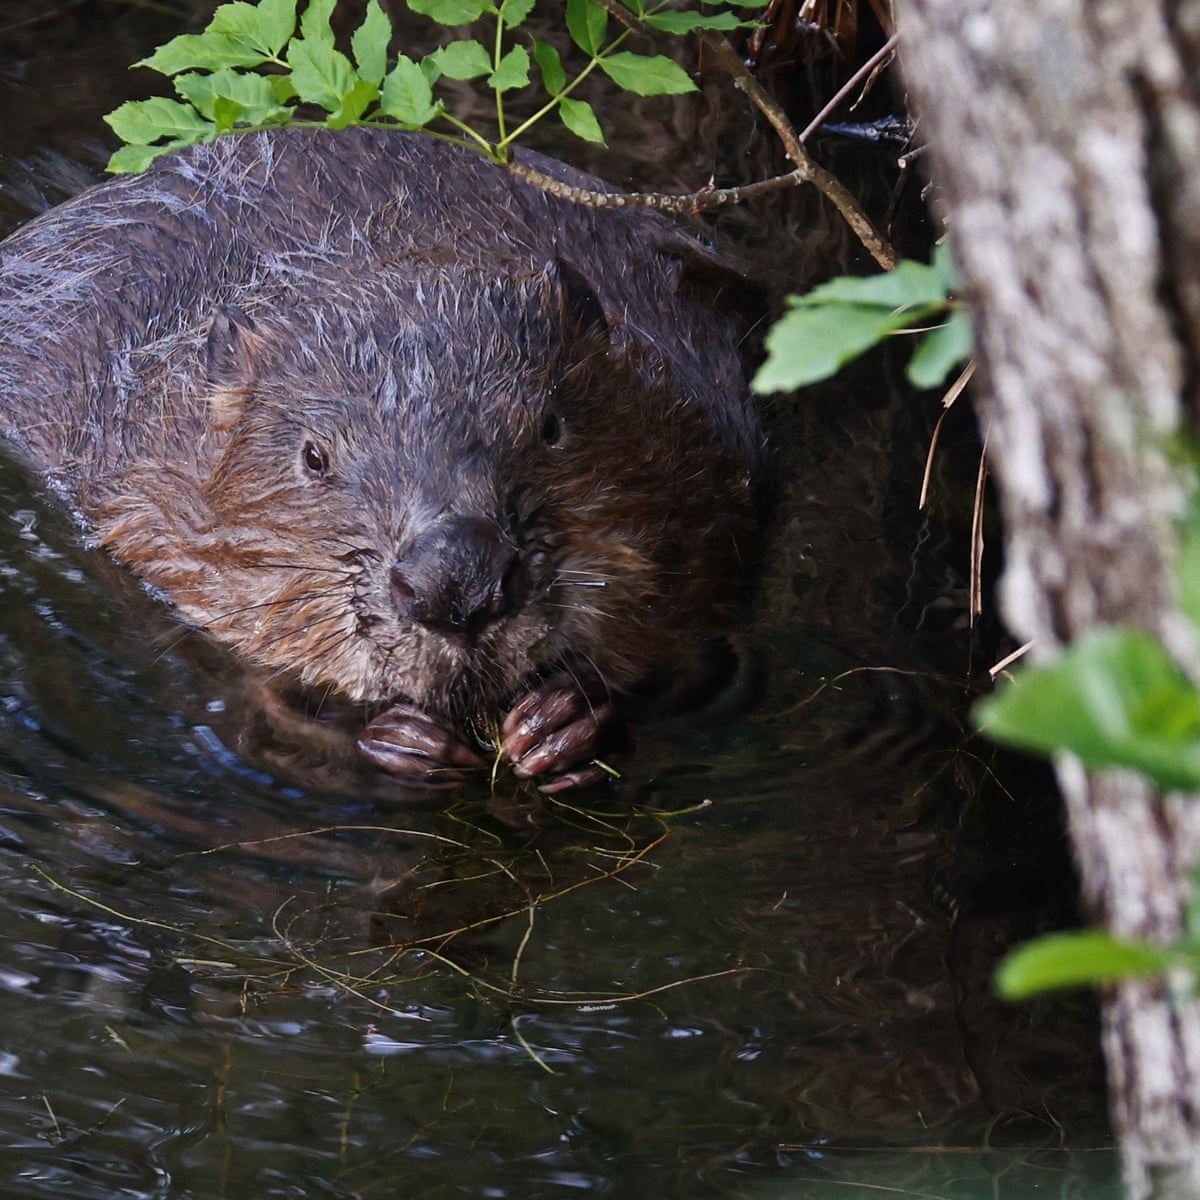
column 699, row 277
column 233, row 339
column 575, row 302
column 229, row 364
column 549, row 310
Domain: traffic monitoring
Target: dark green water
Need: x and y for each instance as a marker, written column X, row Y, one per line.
column 759, row 968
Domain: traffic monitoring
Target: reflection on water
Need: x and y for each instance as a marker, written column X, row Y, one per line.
column 758, row 968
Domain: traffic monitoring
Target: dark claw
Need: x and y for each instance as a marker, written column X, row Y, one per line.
column 583, row 777
column 555, row 732
column 541, row 713
column 410, row 743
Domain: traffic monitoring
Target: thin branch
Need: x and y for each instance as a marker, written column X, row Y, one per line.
column 952, row 393
column 807, row 171
column 829, row 185
column 866, row 69
column 685, row 202
column 623, row 16
column 976, row 605
column 1008, row 660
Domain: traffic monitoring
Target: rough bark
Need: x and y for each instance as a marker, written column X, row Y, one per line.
column 1066, row 137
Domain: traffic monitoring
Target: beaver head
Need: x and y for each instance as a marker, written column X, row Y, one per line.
column 452, row 486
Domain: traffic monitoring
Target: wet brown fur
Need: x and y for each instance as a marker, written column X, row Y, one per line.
column 428, row 387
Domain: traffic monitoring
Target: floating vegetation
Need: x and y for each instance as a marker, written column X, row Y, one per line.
column 454, row 909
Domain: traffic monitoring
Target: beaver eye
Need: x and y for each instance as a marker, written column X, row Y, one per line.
column 315, row 459
column 551, row 429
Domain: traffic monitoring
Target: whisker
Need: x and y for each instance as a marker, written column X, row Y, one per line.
column 583, row 691
column 280, row 602
column 584, row 610
column 591, row 579
column 176, row 639
column 302, row 568
column 591, row 662
column 325, row 697
column 331, row 638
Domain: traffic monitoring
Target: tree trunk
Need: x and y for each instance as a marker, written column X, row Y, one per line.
column 1066, row 143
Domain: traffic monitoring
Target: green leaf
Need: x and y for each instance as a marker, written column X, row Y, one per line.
column 278, row 19
column 689, row 22
column 549, row 62
column 1187, row 562
column 252, row 95
column 321, row 74
column 315, row 27
column 1192, row 910
column 432, row 70
column 202, row 52
column 580, row 118
column 838, row 320
column 586, row 23
column 355, row 102
column 451, row 12
column 129, row 160
column 812, row 343
column 1114, row 698
column 647, row 75
column 514, row 12
column 197, row 90
column 462, row 60
column 637, row 7
column 282, row 88
column 941, row 350
column 407, row 95
column 511, row 72
column 369, row 44
column 141, row 122
column 1067, row 960
column 910, row 285
column 225, row 113
column 265, row 26
column 943, row 265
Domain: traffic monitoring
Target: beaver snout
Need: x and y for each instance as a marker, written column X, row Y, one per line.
column 458, row 576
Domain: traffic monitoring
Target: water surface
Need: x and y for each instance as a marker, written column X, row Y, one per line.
column 758, row 967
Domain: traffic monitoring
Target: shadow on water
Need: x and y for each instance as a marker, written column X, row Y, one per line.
column 758, row 968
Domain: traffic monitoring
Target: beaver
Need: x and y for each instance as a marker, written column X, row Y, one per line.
column 390, row 422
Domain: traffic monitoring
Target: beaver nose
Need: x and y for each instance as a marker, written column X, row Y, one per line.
column 457, row 576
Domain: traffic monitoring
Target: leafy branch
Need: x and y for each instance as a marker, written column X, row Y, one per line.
column 839, row 320
column 1113, row 698
column 250, row 70
column 256, row 65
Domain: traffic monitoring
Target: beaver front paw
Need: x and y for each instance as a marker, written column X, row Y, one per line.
column 555, row 732
column 409, row 743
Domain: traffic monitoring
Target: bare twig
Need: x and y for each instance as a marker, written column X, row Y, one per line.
column 1008, row 660
column 685, row 202
column 624, row 17
column 929, row 457
column 807, row 171
column 952, row 394
column 866, row 69
column 976, row 607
